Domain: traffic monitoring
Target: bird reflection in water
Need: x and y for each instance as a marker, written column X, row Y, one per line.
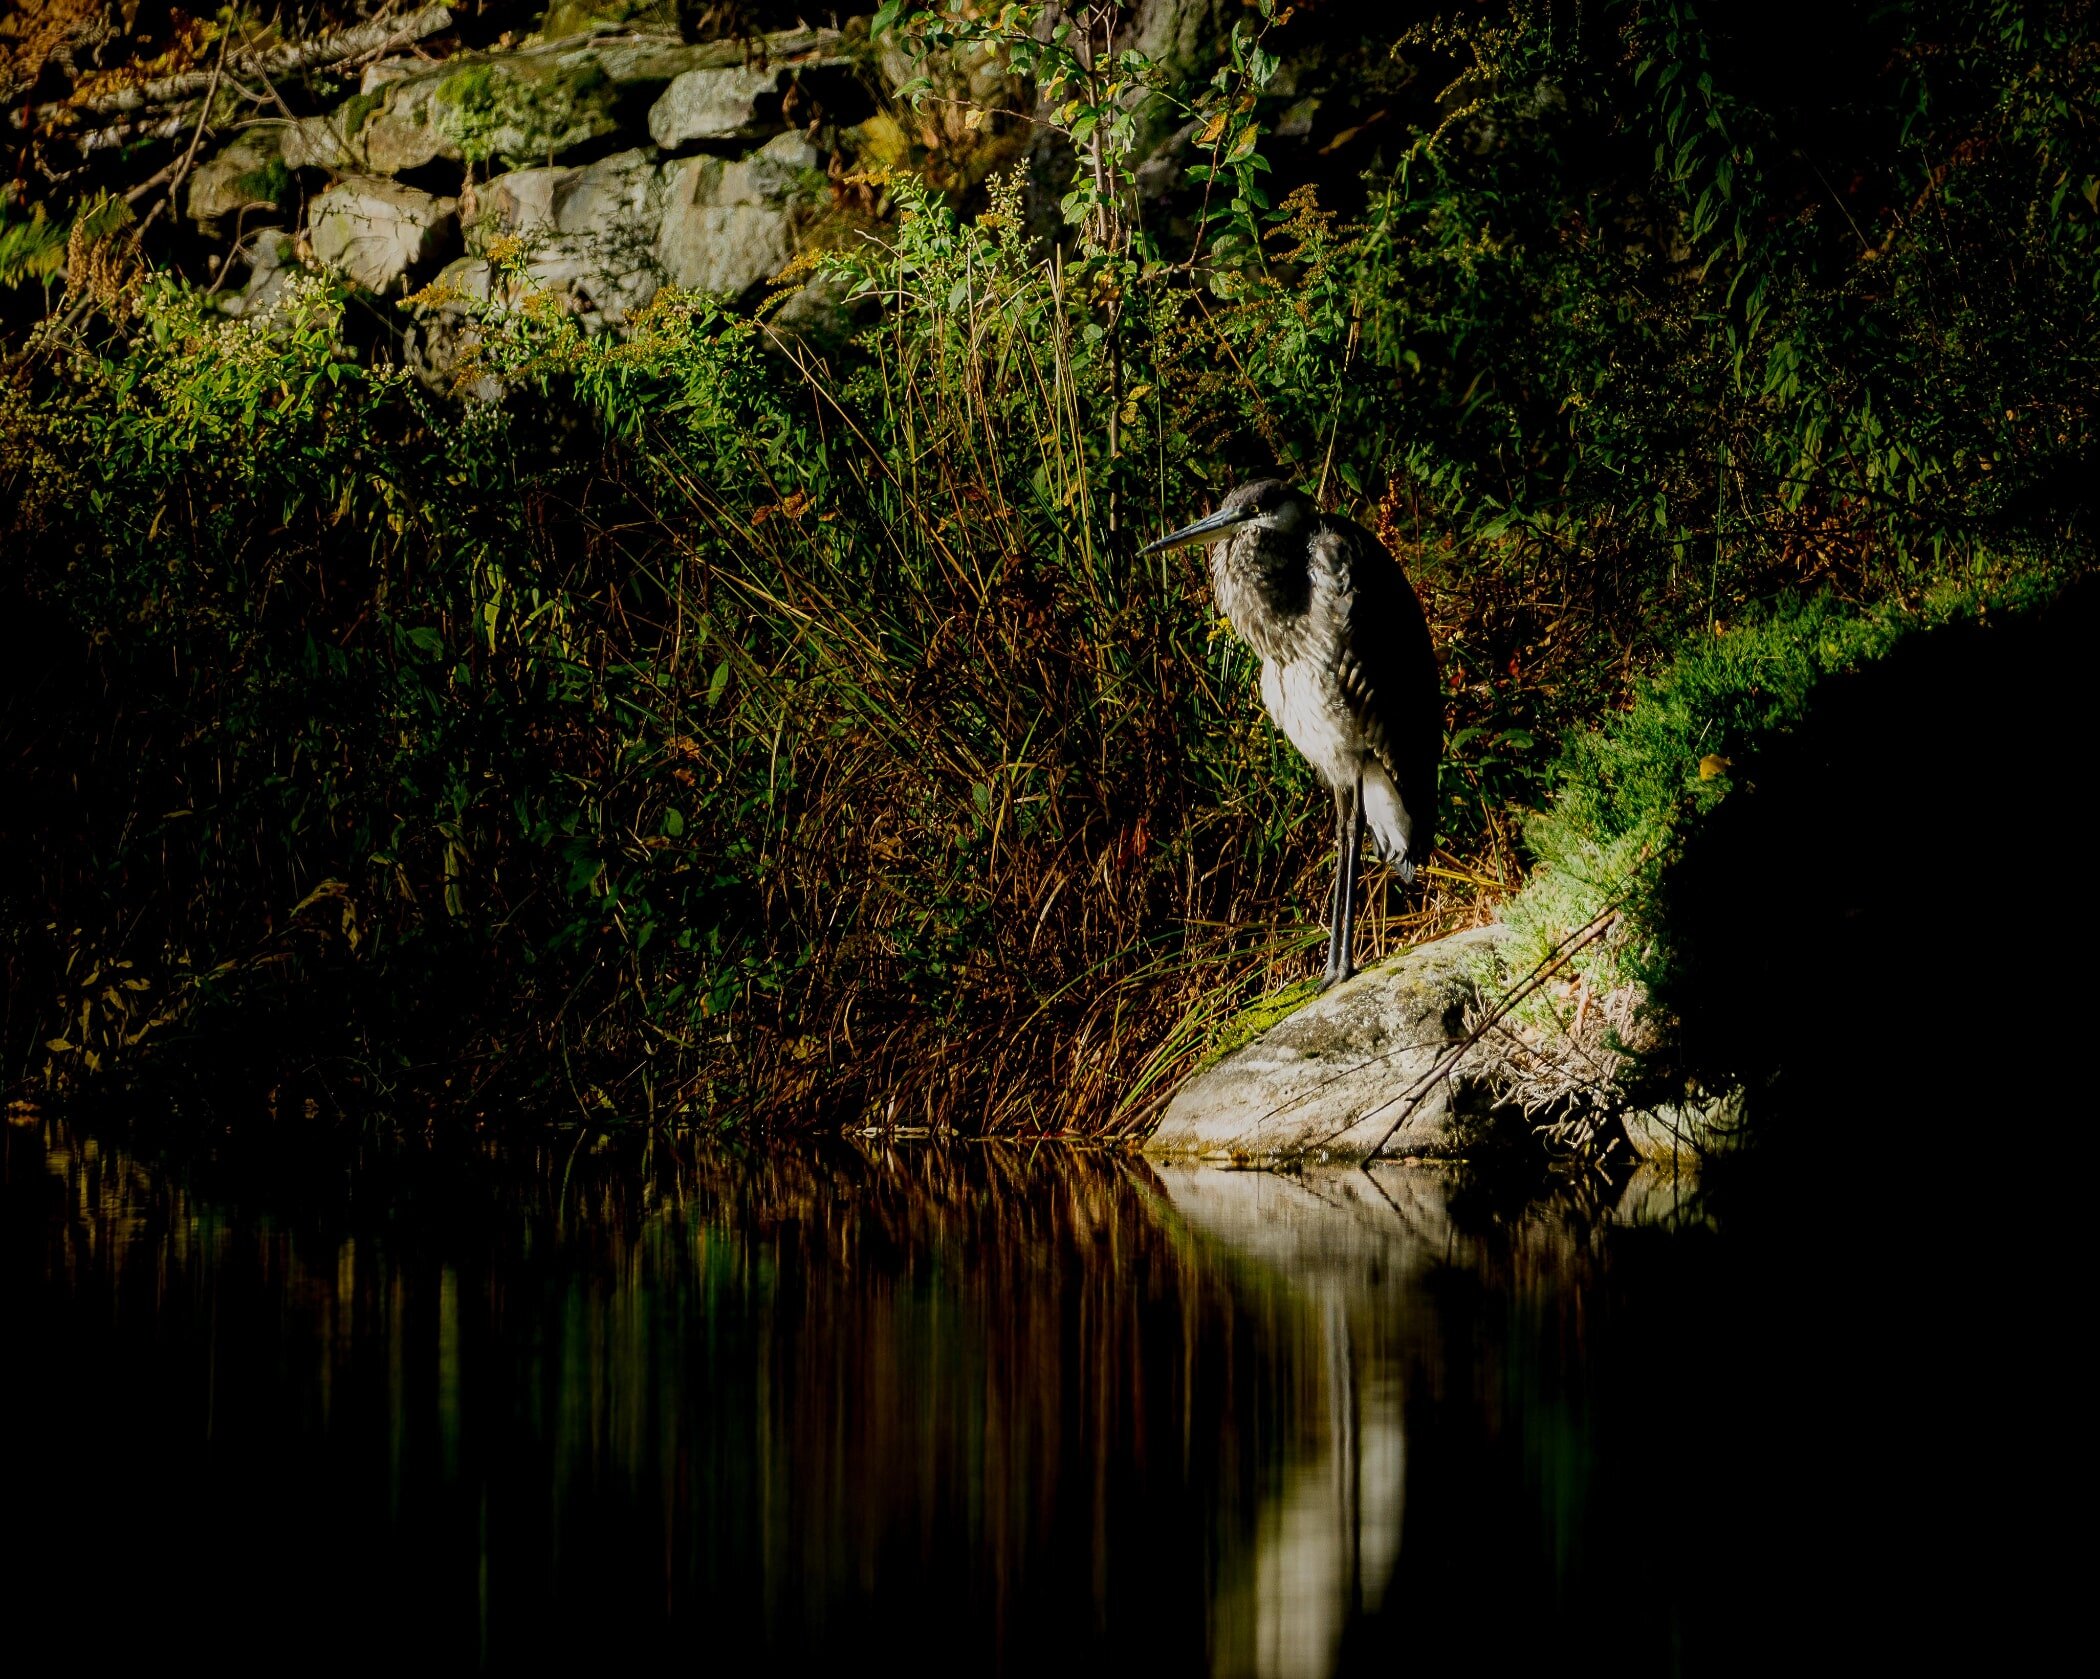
column 1003, row 1409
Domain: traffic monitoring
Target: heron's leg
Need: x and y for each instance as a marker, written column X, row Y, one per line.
column 1352, row 852
column 1334, row 898
column 1348, row 825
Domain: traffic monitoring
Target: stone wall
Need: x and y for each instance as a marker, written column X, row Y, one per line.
column 600, row 167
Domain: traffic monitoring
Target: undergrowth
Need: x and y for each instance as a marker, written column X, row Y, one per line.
column 1630, row 794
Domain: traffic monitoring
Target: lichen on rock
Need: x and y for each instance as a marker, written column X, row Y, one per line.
column 523, row 108
column 377, row 232
column 729, row 227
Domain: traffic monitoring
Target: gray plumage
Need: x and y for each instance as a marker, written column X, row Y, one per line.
column 1348, row 672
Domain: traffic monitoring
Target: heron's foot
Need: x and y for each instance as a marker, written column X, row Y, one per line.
column 1333, row 977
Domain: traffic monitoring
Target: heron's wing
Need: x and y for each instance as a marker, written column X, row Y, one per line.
column 1387, row 667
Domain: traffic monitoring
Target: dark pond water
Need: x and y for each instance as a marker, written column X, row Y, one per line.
column 980, row 1410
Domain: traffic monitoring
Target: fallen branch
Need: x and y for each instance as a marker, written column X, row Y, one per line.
column 286, row 58
column 1412, row 1097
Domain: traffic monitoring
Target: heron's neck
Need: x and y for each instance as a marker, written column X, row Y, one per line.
column 1264, row 586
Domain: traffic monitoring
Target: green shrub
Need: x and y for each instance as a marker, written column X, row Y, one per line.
column 1630, row 793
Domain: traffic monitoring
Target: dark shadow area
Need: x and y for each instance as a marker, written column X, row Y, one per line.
column 1888, row 933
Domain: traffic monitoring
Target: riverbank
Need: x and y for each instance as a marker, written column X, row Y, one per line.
column 686, row 718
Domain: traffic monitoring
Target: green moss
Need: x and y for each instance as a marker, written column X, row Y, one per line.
column 357, row 111
column 1257, row 1017
column 267, row 184
column 1628, row 794
column 520, row 111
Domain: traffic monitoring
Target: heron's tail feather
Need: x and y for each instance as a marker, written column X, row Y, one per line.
column 1392, row 829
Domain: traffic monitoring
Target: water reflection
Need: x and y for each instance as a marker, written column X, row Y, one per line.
column 994, row 1410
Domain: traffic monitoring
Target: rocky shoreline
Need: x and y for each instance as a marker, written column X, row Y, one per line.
column 1392, row 1065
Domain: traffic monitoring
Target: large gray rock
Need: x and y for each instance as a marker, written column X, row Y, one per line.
column 729, row 227
column 1685, row 1132
column 377, row 231
column 724, row 104
column 1329, row 1081
column 589, row 234
column 247, row 173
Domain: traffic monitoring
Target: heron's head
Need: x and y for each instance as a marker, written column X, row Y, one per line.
column 1267, row 504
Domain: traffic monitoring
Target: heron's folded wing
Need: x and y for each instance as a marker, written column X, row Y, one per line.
column 1388, row 670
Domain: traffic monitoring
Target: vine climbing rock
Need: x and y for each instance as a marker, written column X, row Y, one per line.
column 1331, row 1079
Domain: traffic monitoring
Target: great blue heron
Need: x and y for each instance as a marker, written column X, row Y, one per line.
column 1347, row 672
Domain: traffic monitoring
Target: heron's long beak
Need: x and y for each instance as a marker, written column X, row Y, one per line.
column 1222, row 520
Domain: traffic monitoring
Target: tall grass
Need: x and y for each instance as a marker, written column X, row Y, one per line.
column 708, row 729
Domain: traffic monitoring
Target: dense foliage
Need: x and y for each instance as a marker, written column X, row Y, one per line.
column 715, row 726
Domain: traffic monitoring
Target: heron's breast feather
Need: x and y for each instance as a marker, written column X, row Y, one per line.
column 1309, row 708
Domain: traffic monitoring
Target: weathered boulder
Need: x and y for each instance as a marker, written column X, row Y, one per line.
column 517, row 106
column 1687, row 1131
column 1330, row 1080
column 318, row 143
column 517, row 204
column 589, row 233
column 726, row 104
column 729, row 227
column 272, row 257
column 378, row 231
column 247, row 173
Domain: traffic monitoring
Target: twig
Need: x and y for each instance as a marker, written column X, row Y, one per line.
column 1412, row 1097
column 182, row 169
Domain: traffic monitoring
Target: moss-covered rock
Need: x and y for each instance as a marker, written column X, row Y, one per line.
column 580, row 17
column 520, row 109
column 247, row 173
